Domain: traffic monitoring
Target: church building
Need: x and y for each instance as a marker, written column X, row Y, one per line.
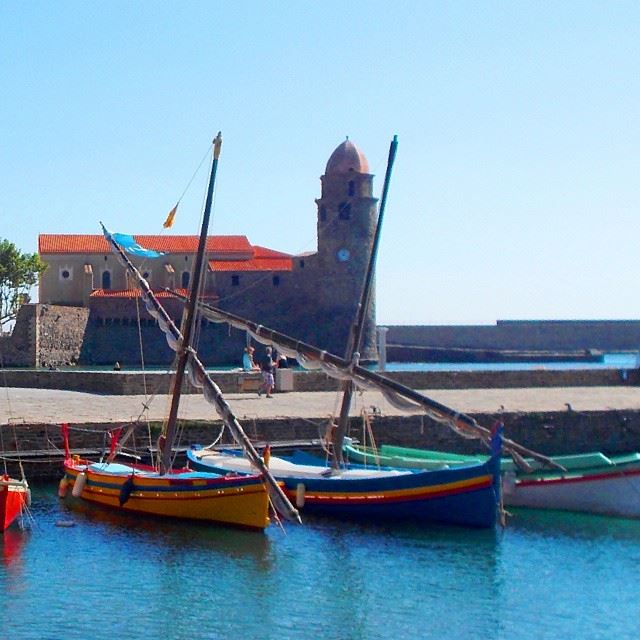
column 312, row 297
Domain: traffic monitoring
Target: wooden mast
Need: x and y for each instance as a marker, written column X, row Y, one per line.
column 355, row 337
column 461, row 421
column 189, row 317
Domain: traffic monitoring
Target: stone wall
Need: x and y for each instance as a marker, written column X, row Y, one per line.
column 133, row 383
column 20, row 348
column 61, row 334
column 45, row 335
column 561, row 335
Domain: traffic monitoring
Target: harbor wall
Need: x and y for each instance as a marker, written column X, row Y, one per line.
column 522, row 335
column 135, row 383
column 612, row 432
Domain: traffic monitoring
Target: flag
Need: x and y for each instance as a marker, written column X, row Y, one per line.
column 65, row 437
column 128, row 243
column 168, row 223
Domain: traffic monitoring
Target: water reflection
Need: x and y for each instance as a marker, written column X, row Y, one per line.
column 566, row 524
column 171, row 538
column 547, row 575
column 12, row 541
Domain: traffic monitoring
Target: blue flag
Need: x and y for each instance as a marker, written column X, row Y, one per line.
column 129, row 244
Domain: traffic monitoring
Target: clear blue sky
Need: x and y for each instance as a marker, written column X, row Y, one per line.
column 516, row 190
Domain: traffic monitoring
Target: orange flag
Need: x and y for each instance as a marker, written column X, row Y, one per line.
column 169, row 221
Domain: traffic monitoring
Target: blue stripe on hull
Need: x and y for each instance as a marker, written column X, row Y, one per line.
column 475, row 509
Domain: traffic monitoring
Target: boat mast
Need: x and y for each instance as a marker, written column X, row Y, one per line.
column 189, row 317
column 460, row 422
column 355, row 337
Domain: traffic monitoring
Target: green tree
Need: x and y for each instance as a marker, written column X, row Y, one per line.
column 18, row 273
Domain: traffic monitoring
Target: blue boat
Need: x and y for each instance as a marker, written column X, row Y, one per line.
column 468, row 495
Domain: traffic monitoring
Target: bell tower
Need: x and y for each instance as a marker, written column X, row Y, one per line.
column 347, row 215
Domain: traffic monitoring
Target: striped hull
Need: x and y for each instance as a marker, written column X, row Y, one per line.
column 465, row 496
column 471, row 501
column 239, row 501
column 614, row 494
column 13, row 499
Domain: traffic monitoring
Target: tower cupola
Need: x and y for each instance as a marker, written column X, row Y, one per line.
column 347, row 157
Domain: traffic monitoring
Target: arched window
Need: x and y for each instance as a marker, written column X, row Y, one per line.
column 323, row 213
column 276, row 281
column 302, row 264
column 352, row 188
column 106, row 279
column 235, row 281
column 185, row 279
column 344, row 211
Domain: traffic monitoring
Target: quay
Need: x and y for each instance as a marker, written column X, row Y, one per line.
column 550, row 419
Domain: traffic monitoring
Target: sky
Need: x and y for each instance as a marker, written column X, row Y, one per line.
column 515, row 192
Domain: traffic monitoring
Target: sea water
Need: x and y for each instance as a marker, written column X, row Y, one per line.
column 84, row 573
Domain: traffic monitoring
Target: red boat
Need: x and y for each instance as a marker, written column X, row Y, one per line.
column 14, row 499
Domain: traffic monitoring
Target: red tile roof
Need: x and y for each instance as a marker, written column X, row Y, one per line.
column 263, row 260
column 74, row 243
column 257, row 264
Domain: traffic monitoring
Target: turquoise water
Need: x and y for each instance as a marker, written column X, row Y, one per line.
column 621, row 360
column 609, row 361
column 548, row 575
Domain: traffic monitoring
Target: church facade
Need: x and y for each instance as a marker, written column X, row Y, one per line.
column 312, row 297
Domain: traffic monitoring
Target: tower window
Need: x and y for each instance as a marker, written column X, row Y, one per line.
column 323, row 213
column 276, row 281
column 185, row 279
column 235, row 281
column 344, row 211
column 302, row 264
column 106, row 279
column 352, row 188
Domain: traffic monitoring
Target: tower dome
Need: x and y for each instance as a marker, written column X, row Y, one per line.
column 347, row 157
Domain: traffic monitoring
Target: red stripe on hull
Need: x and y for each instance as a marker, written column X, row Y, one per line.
column 382, row 499
column 586, row 478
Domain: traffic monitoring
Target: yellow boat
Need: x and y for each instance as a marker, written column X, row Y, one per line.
column 184, row 494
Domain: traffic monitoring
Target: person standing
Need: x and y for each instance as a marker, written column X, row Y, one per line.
column 267, row 366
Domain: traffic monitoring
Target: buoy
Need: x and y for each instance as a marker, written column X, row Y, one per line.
column 266, row 455
column 78, row 485
column 63, row 485
column 126, row 490
column 300, row 489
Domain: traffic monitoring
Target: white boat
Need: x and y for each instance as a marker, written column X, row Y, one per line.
column 607, row 490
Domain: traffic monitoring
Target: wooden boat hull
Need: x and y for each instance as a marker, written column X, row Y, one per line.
column 14, row 496
column 593, row 482
column 612, row 493
column 236, row 501
column 466, row 496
